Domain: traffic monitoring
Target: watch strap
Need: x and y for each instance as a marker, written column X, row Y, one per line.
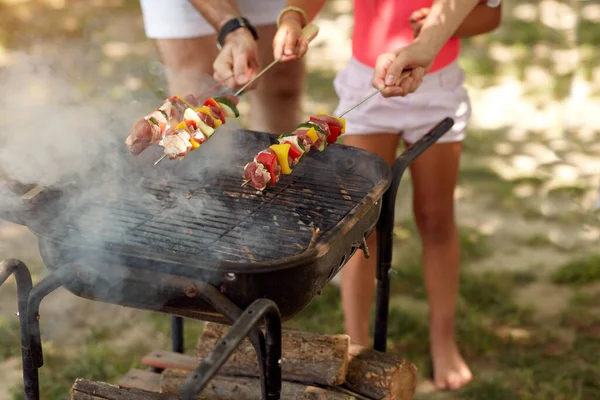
column 232, row 25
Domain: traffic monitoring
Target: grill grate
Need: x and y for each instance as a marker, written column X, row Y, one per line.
column 217, row 219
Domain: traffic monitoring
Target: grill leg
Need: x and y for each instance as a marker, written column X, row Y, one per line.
column 177, row 344
column 232, row 312
column 249, row 319
column 177, row 334
column 46, row 286
column 23, row 277
column 385, row 229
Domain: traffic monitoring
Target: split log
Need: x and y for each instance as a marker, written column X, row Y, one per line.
column 141, row 379
column 242, row 388
column 306, row 357
column 89, row 390
column 167, row 359
column 380, row 375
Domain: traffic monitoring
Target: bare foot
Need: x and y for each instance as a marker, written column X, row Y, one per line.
column 450, row 371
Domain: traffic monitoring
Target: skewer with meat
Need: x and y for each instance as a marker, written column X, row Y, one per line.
column 198, row 126
column 319, row 132
column 154, row 127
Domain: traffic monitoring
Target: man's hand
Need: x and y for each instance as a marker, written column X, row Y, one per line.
column 390, row 66
column 237, row 58
column 288, row 41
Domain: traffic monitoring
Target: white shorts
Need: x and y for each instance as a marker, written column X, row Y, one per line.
column 178, row 19
column 440, row 95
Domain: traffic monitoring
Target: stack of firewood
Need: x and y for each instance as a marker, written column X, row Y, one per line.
column 314, row 366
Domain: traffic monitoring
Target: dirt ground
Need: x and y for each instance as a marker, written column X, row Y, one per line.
column 525, row 202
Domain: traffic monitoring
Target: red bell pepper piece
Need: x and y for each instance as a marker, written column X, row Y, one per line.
column 268, row 160
column 191, row 124
column 295, row 154
column 335, row 132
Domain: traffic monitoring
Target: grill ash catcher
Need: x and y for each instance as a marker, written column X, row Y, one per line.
column 211, row 265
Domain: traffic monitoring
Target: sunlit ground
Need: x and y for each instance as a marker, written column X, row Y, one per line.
column 529, row 320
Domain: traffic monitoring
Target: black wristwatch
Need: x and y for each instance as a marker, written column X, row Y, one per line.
column 232, row 25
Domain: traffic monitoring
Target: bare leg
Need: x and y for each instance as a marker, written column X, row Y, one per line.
column 434, row 176
column 188, row 63
column 276, row 102
column 358, row 275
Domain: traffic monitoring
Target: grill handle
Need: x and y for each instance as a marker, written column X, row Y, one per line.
column 385, row 228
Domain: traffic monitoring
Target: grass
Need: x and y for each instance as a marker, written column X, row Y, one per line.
column 539, row 366
column 581, row 271
column 10, row 339
column 191, row 329
column 94, row 359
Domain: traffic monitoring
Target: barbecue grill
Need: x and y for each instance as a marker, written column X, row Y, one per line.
column 197, row 244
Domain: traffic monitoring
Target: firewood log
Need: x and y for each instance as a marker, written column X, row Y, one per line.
column 243, row 388
column 89, row 390
column 380, row 375
column 306, row 357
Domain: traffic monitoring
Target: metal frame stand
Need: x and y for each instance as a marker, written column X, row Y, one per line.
column 24, row 285
column 244, row 323
column 385, row 230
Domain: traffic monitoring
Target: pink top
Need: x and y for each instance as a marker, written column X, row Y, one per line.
column 382, row 26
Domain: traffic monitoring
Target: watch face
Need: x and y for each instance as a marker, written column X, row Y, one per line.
column 493, row 3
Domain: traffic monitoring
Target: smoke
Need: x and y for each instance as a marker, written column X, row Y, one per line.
column 55, row 135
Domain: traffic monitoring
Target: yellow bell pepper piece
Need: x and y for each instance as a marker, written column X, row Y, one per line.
column 312, row 135
column 194, row 143
column 342, row 121
column 206, row 110
column 182, row 125
column 281, row 151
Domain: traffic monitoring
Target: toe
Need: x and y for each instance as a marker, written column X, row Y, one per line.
column 440, row 384
column 455, row 381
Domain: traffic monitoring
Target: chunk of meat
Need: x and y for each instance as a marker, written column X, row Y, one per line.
column 256, row 175
column 193, row 100
column 172, row 112
column 323, row 125
column 199, row 136
column 301, row 133
column 177, row 145
column 143, row 134
column 327, row 119
column 207, row 119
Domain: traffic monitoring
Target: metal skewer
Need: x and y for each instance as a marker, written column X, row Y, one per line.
column 309, row 33
column 405, row 74
column 258, row 75
column 360, row 102
column 239, row 91
column 159, row 160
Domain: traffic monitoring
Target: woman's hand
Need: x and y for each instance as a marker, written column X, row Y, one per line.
column 238, row 59
column 288, row 40
column 390, row 68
